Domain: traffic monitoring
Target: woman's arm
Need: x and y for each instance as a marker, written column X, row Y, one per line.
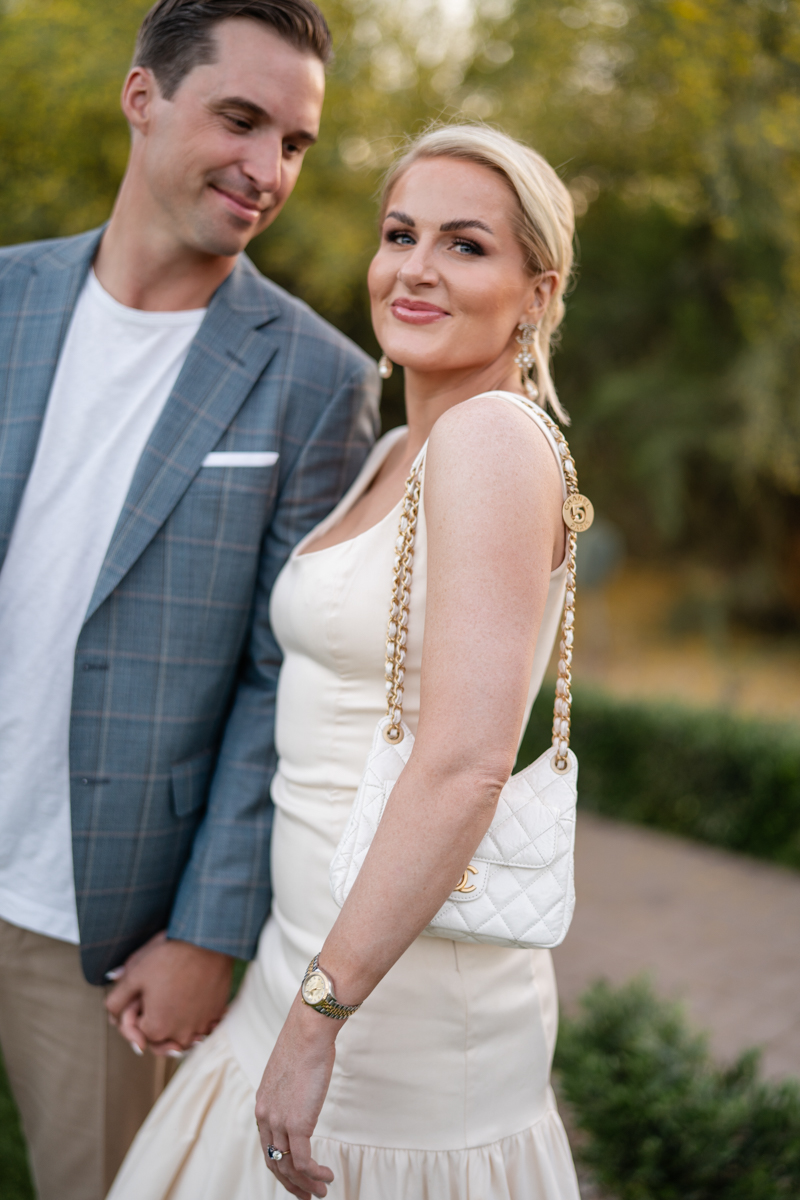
column 493, row 501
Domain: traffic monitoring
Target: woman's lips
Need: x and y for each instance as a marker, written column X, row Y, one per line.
column 417, row 312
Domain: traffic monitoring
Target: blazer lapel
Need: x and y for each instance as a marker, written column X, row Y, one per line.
column 42, row 320
column 225, row 360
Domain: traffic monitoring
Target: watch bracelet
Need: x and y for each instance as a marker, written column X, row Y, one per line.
column 329, row 1008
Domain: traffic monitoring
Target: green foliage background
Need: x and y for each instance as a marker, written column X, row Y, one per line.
column 676, row 124
column 704, row 775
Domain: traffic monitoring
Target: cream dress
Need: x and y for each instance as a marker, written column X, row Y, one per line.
column 440, row 1089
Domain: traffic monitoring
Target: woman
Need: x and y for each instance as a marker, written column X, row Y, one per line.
column 439, row 1085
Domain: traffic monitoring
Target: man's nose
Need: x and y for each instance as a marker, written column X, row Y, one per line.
column 264, row 164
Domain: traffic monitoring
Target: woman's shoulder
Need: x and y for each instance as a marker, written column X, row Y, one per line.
column 492, row 431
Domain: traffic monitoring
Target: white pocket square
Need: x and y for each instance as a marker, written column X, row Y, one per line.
column 241, row 458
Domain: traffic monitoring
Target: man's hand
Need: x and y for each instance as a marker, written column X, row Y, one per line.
column 169, row 994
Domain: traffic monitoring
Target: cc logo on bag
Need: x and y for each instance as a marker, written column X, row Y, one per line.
column 578, row 513
column 462, row 887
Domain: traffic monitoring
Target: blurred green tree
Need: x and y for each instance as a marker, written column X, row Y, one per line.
column 678, row 126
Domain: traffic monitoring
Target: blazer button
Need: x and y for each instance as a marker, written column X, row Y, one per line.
column 85, row 781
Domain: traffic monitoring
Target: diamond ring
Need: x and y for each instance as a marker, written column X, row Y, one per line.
column 276, row 1155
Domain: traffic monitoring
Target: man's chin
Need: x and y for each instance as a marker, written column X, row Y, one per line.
column 225, row 239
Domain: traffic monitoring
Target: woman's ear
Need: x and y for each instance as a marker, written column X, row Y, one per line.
column 540, row 295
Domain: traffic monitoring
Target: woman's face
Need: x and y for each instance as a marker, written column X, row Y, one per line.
column 448, row 284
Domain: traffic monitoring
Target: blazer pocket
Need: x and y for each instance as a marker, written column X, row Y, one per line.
column 241, row 458
column 190, row 780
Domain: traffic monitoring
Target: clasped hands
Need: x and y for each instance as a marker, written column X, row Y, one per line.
column 169, row 994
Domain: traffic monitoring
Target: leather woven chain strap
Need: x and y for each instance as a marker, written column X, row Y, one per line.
column 578, row 516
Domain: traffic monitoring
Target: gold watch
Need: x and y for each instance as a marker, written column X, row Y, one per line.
column 316, row 991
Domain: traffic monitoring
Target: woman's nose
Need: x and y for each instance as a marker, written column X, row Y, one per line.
column 418, row 268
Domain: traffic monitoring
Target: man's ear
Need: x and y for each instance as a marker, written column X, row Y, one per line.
column 138, row 92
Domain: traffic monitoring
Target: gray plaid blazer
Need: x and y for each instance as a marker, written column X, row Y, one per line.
column 171, row 739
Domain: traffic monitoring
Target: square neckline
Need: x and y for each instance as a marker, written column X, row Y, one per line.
column 371, row 468
column 355, row 492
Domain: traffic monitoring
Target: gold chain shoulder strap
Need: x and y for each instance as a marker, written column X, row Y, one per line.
column 578, row 516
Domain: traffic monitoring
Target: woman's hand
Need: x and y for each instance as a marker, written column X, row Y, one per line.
column 291, row 1096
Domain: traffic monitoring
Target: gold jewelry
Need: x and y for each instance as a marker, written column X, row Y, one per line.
column 578, row 515
column 276, row 1155
column 397, row 631
column 385, row 367
column 525, row 360
column 316, row 991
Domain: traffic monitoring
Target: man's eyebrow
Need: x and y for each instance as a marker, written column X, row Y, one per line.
column 404, row 218
column 260, row 114
column 473, row 223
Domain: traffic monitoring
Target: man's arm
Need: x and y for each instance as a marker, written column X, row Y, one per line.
column 224, row 895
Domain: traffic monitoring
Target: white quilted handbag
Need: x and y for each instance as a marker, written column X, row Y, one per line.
column 519, row 888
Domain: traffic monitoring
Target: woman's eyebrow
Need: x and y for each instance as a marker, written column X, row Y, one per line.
column 474, row 223
column 404, row 218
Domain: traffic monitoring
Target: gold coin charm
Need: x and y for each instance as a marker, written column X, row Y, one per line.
column 578, row 513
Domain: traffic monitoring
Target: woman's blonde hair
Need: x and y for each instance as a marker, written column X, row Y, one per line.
column 545, row 226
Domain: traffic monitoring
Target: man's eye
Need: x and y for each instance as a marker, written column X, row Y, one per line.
column 400, row 237
column 240, row 123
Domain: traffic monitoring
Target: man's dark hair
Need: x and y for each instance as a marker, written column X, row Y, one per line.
column 178, row 35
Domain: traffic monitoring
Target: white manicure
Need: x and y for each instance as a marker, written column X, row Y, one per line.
column 136, row 1049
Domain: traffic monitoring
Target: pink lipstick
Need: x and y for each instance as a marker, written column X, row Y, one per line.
column 417, row 312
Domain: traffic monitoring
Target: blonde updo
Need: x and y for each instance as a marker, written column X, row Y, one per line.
column 545, row 225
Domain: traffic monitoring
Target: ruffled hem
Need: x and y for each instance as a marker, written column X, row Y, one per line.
column 200, row 1142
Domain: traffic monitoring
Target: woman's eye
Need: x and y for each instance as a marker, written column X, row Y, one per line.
column 466, row 248
column 399, row 237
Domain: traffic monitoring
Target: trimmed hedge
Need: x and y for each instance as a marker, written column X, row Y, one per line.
column 662, row 1121
column 702, row 774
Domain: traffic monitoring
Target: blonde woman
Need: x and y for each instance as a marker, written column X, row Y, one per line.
column 438, row 1085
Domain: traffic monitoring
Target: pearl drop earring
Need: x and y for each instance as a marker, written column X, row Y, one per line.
column 385, row 367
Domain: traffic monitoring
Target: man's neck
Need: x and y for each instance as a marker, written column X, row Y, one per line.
column 140, row 264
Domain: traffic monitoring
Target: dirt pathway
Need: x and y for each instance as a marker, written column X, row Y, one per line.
column 716, row 930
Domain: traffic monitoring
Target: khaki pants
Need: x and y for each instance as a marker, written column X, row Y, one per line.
column 81, row 1091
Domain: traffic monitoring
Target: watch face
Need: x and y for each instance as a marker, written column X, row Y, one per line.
column 315, row 988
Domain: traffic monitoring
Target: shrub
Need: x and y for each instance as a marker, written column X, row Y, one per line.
column 15, row 1181
column 663, row 1122
column 705, row 775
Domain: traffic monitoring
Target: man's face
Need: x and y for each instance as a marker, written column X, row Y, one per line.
column 221, row 157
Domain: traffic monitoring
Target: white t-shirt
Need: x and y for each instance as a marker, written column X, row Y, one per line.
column 116, row 371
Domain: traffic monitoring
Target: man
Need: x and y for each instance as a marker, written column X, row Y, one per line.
column 171, row 424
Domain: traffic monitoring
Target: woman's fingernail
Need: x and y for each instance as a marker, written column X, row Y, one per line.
column 136, row 1049
column 198, row 1041
column 176, row 1053
column 117, row 973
